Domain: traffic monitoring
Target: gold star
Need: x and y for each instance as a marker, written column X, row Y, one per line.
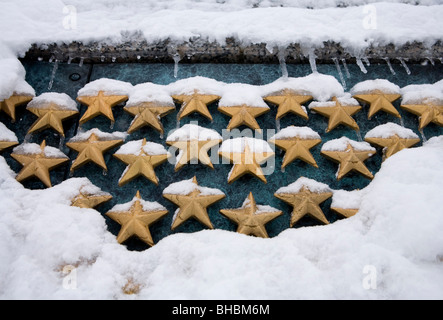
column 297, row 148
column 349, row 160
column 345, row 213
column 251, row 218
column 100, row 104
column 136, row 220
column 392, row 144
column 289, row 101
column 148, row 114
column 9, row 105
column 50, row 115
column 428, row 111
column 92, row 149
column 37, row 164
column 141, row 164
column 193, row 205
column 379, row 101
column 195, row 102
column 305, row 202
column 339, row 114
column 246, row 162
column 243, row 115
column 87, row 198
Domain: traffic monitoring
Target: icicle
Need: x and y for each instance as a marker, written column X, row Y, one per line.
column 312, row 61
column 54, row 70
column 403, row 63
column 342, row 79
column 69, row 59
column 359, row 137
column 346, row 68
column 390, row 66
column 277, row 124
column 177, row 125
column 113, row 59
column 402, row 122
column 139, row 57
column 161, row 136
column 51, row 59
column 61, row 142
column 361, row 65
column 105, row 172
column 176, row 58
column 282, row 60
column 102, row 58
column 112, row 125
column 422, row 135
column 81, row 62
column 366, row 60
column 283, row 170
column 431, row 61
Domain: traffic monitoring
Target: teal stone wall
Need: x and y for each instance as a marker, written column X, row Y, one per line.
column 69, row 78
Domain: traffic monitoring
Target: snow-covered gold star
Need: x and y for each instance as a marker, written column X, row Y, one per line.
column 252, row 218
column 379, row 101
column 289, row 101
column 148, row 114
column 195, row 102
column 9, row 105
column 136, row 220
column 142, row 162
column 243, row 115
column 192, row 201
column 100, row 104
column 393, row 144
column 427, row 112
column 38, row 162
column 338, row 114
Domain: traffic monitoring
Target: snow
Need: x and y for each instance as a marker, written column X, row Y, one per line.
column 108, row 86
column 149, row 92
column 6, row 134
column 341, row 144
column 346, row 199
column 136, row 146
column 203, row 85
column 237, row 94
column 344, row 100
column 34, row 148
column 12, row 78
column 83, row 136
column 237, row 145
column 397, row 233
column 422, row 93
column 147, row 206
column 193, row 131
column 185, row 187
column 260, row 208
column 377, row 85
column 390, row 129
column 303, row 182
column 296, row 132
column 62, row 100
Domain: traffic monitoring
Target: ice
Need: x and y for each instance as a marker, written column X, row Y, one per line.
column 176, row 57
column 361, row 65
column 82, row 59
column 348, row 75
column 282, row 61
column 340, row 74
column 403, row 63
column 388, row 62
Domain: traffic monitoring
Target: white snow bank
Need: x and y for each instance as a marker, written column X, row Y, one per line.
column 193, row 131
column 341, row 144
column 381, row 85
column 62, row 100
column 396, row 234
column 6, row 134
column 185, row 187
column 108, row 86
column 34, row 148
column 390, row 129
column 136, row 146
column 296, row 132
column 83, row 136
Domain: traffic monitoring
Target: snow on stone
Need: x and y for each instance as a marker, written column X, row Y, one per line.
column 237, row 94
column 202, row 85
column 135, row 147
column 341, row 144
column 296, row 132
column 237, row 145
column 310, row 184
column 147, row 205
column 185, row 187
column 377, row 85
column 108, row 86
column 34, row 148
column 390, row 129
column 83, row 136
column 62, row 100
column 193, row 131
column 12, row 79
column 346, row 199
column 6, row 134
column 344, row 100
column 149, row 92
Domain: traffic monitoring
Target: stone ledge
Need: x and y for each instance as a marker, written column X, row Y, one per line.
column 201, row 51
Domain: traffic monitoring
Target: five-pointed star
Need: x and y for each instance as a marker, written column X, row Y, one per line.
column 393, row 144
column 339, row 114
column 305, row 202
column 243, row 115
column 427, row 112
column 250, row 218
column 297, row 148
column 91, row 149
column 193, row 205
column 289, row 101
column 141, row 164
column 246, row 162
column 50, row 116
column 38, row 165
column 196, row 102
column 9, row 105
column 379, row 102
column 7, row 144
column 345, row 213
column 148, row 114
column 136, row 221
column 100, row 104
column 90, row 201
column 350, row 160
column 193, row 150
